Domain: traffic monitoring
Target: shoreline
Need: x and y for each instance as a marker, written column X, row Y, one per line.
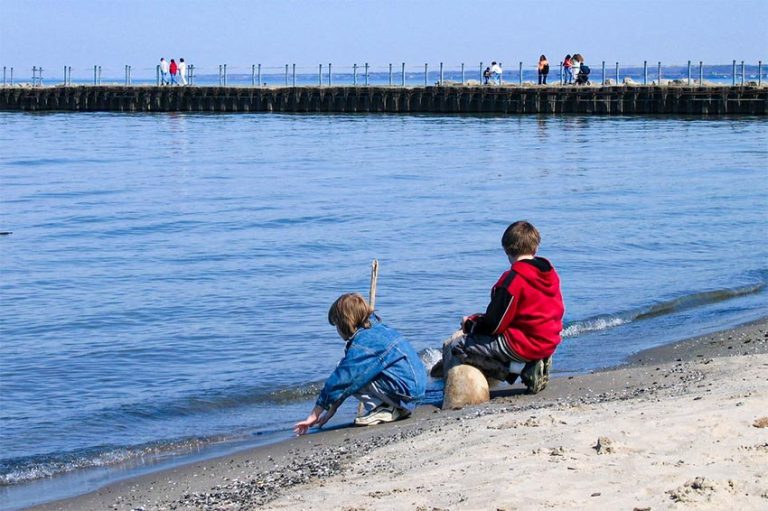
column 282, row 474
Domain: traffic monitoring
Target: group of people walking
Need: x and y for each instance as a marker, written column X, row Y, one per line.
column 575, row 71
column 176, row 71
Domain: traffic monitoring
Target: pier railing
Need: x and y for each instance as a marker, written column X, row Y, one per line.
column 603, row 72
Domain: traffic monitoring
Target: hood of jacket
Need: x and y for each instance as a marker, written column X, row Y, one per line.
column 540, row 274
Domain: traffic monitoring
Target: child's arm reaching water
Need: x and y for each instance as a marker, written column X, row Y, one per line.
column 315, row 418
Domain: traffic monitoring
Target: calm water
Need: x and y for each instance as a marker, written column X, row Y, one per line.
column 167, row 281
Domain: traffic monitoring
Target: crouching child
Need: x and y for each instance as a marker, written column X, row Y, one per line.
column 520, row 329
column 379, row 368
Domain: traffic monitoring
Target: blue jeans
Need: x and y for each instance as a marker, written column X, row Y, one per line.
column 163, row 77
column 568, row 75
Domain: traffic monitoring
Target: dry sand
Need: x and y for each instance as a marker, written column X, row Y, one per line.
column 681, row 427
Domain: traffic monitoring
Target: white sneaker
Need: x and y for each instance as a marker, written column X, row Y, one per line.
column 380, row 414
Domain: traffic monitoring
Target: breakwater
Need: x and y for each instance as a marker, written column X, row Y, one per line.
column 599, row 100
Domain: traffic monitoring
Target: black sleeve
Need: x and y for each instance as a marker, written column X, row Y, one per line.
column 489, row 322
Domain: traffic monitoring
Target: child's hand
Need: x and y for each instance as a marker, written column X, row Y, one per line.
column 302, row 427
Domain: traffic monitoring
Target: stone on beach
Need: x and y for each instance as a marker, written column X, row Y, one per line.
column 465, row 385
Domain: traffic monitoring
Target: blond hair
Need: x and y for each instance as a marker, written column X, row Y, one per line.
column 349, row 313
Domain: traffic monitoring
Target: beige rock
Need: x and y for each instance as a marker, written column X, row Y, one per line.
column 465, row 385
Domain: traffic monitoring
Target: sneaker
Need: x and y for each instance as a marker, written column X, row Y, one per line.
column 533, row 376
column 381, row 414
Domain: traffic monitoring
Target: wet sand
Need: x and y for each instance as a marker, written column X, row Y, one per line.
column 683, row 426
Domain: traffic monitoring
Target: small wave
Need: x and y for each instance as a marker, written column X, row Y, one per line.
column 606, row 321
column 592, row 325
column 25, row 469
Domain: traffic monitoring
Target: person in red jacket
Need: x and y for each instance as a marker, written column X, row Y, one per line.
column 520, row 329
column 173, row 70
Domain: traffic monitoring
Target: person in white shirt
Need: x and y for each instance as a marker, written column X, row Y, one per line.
column 577, row 60
column 496, row 72
column 182, row 72
column 163, row 72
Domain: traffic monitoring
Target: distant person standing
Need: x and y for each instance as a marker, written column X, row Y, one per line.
column 567, row 64
column 174, row 68
column 163, row 71
column 496, row 72
column 182, row 72
column 486, row 75
column 575, row 66
column 543, row 69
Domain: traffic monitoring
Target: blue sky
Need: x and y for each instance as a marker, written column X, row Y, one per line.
column 112, row 33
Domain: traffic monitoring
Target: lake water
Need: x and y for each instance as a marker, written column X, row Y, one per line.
column 166, row 283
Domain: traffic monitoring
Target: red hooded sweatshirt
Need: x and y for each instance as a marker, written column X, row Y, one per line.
column 527, row 308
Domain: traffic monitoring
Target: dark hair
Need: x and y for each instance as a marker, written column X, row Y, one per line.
column 521, row 238
column 568, row 56
column 181, row 60
column 543, row 57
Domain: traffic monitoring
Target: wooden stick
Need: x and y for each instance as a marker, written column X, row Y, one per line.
column 374, row 279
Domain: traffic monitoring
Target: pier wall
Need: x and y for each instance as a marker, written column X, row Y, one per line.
column 605, row 100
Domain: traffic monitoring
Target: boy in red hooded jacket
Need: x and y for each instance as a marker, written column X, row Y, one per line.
column 521, row 327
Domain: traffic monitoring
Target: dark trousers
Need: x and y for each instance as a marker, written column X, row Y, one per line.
column 542, row 78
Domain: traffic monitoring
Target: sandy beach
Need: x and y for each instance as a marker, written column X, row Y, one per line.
column 683, row 426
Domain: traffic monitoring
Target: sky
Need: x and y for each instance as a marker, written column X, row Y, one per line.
column 113, row 33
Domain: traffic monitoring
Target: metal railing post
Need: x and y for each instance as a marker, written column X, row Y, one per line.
column 561, row 73
column 354, row 75
column 462, row 73
column 701, row 73
column 645, row 72
column 286, row 75
column 329, row 74
column 99, row 75
column 390, row 75
column 191, row 73
column 293, row 75
column 157, row 75
column 319, row 75
column 602, row 77
column 743, row 72
column 481, row 72
column 125, row 74
column 426, row 73
column 366, row 74
column 658, row 74
column 441, row 74
column 94, row 74
column 689, row 73
column 617, row 73
column 225, row 75
column 733, row 73
column 402, row 76
column 520, row 71
column 11, row 76
column 34, row 75
column 219, row 75
column 253, row 75
column 258, row 74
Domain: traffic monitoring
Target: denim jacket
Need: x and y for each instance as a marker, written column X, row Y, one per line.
column 382, row 354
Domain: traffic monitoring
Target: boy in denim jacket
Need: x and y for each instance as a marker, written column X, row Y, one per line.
column 379, row 367
column 520, row 329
